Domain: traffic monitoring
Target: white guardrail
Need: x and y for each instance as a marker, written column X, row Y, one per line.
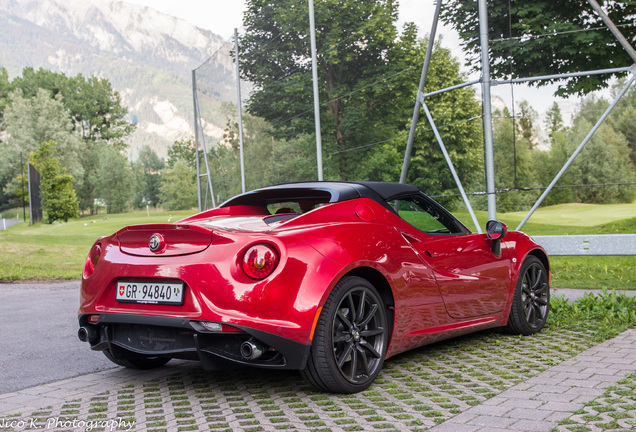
column 598, row 244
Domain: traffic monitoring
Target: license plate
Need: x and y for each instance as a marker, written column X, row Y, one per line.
column 150, row 292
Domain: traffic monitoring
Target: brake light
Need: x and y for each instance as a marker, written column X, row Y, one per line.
column 95, row 253
column 260, row 261
column 92, row 259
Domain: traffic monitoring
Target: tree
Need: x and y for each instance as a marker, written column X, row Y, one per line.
column 604, row 159
column 357, row 47
column 5, row 88
column 96, row 116
column 544, row 37
column 623, row 120
column 527, row 119
column 16, row 191
column 32, row 121
column 548, row 164
column 152, row 167
column 513, row 152
column 59, row 201
column 368, row 78
column 113, row 179
column 182, row 150
column 178, row 187
column 554, row 120
column 94, row 107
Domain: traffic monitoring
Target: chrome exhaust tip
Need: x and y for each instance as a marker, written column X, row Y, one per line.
column 252, row 350
column 87, row 334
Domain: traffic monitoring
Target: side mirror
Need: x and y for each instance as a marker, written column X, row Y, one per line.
column 495, row 231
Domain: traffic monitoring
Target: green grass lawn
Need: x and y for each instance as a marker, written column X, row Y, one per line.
column 566, row 219
column 586, row 215
column 58, row 251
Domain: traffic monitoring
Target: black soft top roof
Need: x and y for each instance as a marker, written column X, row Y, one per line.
column 325, row 190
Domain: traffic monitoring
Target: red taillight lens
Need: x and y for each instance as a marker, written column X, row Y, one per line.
column 92, row 259
column 95, row 253
column 260, row 261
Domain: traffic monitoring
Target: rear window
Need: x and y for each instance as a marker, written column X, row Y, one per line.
column 283, row 201
column 294, row 206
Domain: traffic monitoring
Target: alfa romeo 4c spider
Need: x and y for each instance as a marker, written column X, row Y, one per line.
column 329, row 278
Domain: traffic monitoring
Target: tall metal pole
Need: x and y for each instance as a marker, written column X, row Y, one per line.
column 420, row 91
column 485, row 78
column 238, row 105
column 22, row 177
column 196, row 135
column 314, row 69
column 30, row 199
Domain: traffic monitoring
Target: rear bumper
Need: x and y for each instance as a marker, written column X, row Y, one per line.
column 188, row 339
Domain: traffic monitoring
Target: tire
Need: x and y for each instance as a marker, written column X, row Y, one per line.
column 138, row 362
column 350, row 339
column 531, row 302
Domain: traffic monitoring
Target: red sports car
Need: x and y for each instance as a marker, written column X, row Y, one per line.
column 330, row 278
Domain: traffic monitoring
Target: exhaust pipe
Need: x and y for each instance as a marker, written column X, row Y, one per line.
column 252, row 349
column 87, row 334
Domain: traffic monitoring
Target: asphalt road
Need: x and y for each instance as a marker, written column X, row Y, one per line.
column 8, row 222
column 38, row 336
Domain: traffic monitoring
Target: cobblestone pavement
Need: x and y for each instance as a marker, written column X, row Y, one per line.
column 556, row 380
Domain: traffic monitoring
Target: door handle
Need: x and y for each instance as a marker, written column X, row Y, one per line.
column 431, row 253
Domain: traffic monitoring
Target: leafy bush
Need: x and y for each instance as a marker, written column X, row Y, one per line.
column 606, row 314
column 59, row 200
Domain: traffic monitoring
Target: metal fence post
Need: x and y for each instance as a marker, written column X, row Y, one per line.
column 238, row 105
column 314, row 71
column 485, row 79
column 196, row 135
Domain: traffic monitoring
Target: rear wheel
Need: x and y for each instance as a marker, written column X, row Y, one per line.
column 350, row 339
column 137, row 362
column 531, row 301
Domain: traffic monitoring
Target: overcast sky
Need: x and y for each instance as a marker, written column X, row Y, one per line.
column 222, row 16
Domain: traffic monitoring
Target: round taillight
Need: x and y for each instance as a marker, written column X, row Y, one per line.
column 95, row 253
column 260, row 261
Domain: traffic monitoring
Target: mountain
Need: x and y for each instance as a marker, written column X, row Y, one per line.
column 147, row 56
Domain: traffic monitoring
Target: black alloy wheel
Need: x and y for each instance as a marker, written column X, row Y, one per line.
column 358, row 335
column 531, row 302
column 350, row 341
column 535, row 295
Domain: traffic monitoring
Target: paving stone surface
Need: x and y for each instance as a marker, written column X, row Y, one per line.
column 554, row 381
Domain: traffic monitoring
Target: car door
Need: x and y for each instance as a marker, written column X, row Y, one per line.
column 472, row 279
